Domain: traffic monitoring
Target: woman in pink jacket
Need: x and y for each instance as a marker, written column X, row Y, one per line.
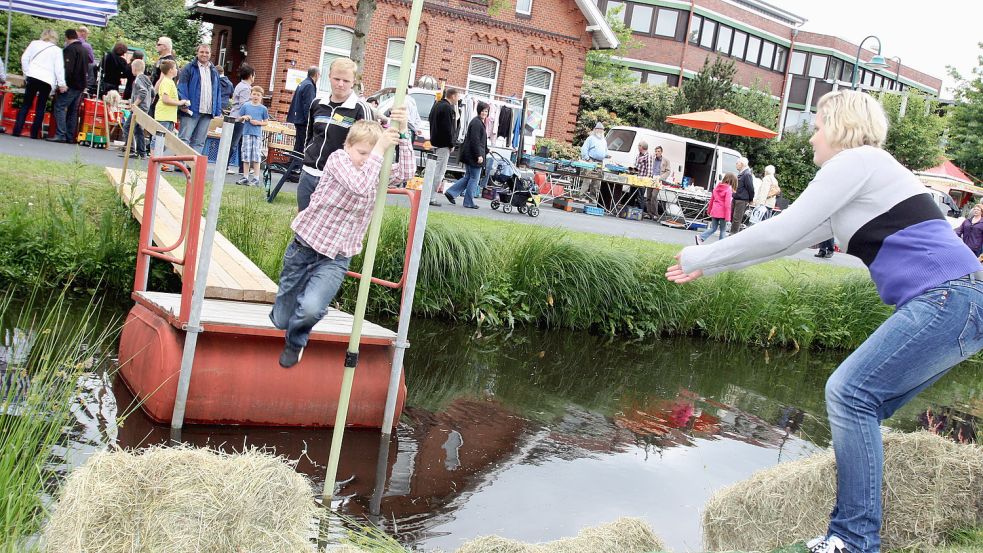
column 719, row 208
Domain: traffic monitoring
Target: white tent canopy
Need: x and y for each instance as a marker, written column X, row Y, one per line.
column 89, row 12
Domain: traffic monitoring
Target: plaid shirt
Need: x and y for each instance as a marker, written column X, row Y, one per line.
column 336, row 220
column 644, row 165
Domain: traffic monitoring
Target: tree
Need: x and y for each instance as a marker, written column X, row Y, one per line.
column 601, row 65
column 638, row 105
column 966, row 121
column 587, row 119
column 792, row 158
column 712, row 87
column 915, row 139
column 363, row 21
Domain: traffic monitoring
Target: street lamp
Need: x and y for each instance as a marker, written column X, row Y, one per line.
column 876, row 62
column 897, row 75
column 904, row 95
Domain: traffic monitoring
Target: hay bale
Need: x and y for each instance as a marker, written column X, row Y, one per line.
column 182, row 500
column 931, row 486
column 625, row 535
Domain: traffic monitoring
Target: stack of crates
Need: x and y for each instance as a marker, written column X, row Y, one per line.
column 94, row 128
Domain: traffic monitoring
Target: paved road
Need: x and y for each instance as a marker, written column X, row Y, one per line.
column 549, row 217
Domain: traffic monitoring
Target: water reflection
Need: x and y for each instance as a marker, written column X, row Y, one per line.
column 534, row 435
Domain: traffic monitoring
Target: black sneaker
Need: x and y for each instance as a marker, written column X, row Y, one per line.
column 821, row 253
column 832, row 544
column 829, row 254
column 290, row 356
column 450, row 198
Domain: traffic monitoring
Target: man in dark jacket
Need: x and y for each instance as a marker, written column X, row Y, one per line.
column 327, row 125
column 300, row 106
column 67, row 103
column 443, row 129
column 198, row 83
column 742, row 196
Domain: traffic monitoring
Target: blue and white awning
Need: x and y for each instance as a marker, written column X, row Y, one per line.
column 90, row 12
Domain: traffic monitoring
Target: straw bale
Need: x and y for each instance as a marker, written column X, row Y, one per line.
column 932, row 486
column 625, row 535
column 182, row 500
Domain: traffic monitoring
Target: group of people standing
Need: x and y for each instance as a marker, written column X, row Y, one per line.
column 734, row 194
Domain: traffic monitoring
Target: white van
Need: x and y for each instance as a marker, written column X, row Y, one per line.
column 687, row 157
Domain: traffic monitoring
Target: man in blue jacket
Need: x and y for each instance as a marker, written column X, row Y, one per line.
column 198, row 82
column 300, row 106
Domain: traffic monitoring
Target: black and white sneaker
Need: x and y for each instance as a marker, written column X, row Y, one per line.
column 699, row 241
column 831, row 544
column 290, row 356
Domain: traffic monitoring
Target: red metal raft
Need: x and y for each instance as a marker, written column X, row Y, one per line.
column 236, row 378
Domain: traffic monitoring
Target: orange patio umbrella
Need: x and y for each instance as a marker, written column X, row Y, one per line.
column 720, row 121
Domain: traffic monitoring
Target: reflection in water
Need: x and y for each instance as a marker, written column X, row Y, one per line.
column 534, row 435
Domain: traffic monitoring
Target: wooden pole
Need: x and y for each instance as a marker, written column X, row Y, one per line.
column 371, row 243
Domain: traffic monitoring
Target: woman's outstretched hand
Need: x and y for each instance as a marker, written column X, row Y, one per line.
column 675, row 273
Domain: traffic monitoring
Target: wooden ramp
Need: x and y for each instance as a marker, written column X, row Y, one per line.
column 231, row 275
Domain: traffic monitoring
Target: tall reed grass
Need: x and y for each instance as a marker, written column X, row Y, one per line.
column 47, row 346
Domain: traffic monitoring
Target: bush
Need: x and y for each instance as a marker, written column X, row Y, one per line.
column 792, row 158
column 557, row 149
column 586, row 121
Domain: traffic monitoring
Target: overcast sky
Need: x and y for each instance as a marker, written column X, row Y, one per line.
column 927, row 36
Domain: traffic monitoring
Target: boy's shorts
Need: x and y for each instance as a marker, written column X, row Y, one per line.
column 250, row 148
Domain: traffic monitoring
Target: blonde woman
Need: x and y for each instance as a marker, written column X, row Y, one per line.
column 44, row 69
column 770, row 187
column 882, row 214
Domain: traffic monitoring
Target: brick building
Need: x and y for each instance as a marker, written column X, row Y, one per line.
column 765, row 42
column 534, row 48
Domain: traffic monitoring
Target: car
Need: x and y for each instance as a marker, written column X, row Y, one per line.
column 425, row 100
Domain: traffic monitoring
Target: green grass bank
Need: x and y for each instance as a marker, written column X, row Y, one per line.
column 64, row 219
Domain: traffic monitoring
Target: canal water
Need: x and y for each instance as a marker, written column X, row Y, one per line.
column 534, row 434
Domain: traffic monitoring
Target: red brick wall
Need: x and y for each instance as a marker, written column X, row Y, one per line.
column 450, row 33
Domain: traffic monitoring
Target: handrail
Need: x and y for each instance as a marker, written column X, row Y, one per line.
column 414, row 198
column 190, row 224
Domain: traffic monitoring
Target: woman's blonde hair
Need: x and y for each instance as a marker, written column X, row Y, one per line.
column 49, row 35
column 363, row 131
column 852, row 119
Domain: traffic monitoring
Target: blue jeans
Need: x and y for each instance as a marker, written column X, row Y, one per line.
column 914, row 347
column 194, row 130
column 308, row 283
column 66, row 114
column 139, row 140
column 715, row 224
column 169, row 125
column 467, row 184
column 236, row 145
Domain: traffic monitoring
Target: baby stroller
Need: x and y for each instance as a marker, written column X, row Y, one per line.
column 516, row 188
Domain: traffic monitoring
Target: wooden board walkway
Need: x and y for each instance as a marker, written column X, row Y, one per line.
column 219, row 314
column 231, row 275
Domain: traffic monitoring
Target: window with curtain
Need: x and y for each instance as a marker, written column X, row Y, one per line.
column 740, row 41
column 667, row 23
column 394, row 60
column 707, row 36
column 482, row 76
column 537, row 92
column 694, row 29
column 523, row 7
column 723, row 39
column 753, row 49
column 276, row 54
column 767, row 54
column 781, row 55
column 641, row 18
column 337, row 43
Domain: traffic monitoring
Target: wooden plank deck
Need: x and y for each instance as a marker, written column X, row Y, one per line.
column 231, row 275
column 219, row 315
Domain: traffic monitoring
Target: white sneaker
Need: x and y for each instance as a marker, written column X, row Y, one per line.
column 231, row 170
column 699, row 241
column 832, row 544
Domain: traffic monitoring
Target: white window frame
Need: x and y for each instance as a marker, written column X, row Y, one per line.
column 493, row 82
column 520, row 8
column 325, row 83
column 276, row 54
column 547, row 93
column 396, row 64
column 223, row 39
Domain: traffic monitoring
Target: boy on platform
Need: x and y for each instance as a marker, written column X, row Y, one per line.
column 329, row 232
column 253, row 116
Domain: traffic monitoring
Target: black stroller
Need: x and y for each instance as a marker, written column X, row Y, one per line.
column 515, row 189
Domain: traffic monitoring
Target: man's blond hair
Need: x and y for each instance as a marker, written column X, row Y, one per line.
column 852, row 119
column 343, row 64
column 363, row 131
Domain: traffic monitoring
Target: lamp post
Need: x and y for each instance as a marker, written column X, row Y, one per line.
column 876, row 62
column 904, row 95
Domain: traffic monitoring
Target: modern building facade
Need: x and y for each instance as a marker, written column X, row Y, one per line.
column 766, row 43
column 528, row 48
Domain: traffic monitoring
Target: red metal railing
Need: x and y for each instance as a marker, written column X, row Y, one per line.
column 190, row 225
column 414, row 198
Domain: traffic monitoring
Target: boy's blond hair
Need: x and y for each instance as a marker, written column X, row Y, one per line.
column 852, row 119
column 363, row 131
column 139, row 65
column 343, row 64
column 256, row 89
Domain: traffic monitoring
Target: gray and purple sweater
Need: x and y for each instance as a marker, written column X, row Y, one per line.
column 871, row 204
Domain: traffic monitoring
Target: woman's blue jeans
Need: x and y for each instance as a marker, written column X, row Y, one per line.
column 467, row 184
column 308, row 283
column 715, row 225
column 916, row 346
